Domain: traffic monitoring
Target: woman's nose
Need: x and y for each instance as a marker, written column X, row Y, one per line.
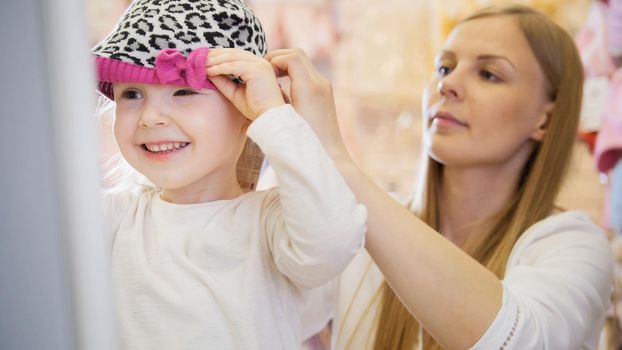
column 450, row 87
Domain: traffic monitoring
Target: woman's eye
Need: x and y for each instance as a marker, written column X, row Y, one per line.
column 443, row 70
column 184, row 93
column 131, row 94
column 487, row 75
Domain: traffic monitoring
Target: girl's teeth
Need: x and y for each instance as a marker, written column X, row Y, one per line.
column 165, row 147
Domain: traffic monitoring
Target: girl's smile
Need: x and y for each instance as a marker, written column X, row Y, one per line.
column 162, row 151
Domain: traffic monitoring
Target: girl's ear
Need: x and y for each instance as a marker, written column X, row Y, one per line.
column 543, row 121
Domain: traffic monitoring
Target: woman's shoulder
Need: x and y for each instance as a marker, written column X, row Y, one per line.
column 567, row 232
column 564, row 222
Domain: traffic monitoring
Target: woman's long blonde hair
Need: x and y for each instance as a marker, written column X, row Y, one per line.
column 539, row 184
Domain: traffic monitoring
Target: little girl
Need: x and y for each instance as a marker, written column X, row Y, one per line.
column 196, row 262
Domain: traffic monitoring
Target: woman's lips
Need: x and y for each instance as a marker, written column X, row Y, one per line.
column 446, row 119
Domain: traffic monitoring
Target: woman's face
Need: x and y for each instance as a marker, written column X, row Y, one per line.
column 487, row 102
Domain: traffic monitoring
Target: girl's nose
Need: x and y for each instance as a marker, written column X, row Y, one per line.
column 153, row 115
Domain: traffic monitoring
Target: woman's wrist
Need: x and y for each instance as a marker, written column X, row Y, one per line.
column 341, row 157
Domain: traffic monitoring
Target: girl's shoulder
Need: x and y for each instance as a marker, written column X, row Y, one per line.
column 117, row 201
column 120, row 196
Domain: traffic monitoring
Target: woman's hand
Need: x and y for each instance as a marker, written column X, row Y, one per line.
column 259, row 90
column 311, row 95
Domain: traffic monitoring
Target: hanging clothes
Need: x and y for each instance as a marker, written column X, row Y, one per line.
column 609, row 142
column 615, row 28
column 608, row 149
column 306, row 24
column 592, row 41
column 615, row 180
column 597, row 66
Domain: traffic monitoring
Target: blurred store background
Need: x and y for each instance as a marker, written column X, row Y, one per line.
column 379, row 56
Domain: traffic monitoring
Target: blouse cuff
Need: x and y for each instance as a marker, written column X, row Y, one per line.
column 501, row 332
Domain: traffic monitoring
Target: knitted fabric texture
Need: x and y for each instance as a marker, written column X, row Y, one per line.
column 166, row 41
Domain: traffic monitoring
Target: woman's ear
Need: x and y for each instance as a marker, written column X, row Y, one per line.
column 543, row 121
column 247, row 123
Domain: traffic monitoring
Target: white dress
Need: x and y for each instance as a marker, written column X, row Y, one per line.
column 234, row 274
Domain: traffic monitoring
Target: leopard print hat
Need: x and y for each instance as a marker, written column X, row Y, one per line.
column 166, row 41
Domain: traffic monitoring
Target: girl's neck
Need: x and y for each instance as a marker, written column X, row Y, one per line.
column 469, row 196
column 210, row 188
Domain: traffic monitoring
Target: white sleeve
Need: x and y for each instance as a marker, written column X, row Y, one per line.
column 314, row 227
column 557, row 297
column 319, row 308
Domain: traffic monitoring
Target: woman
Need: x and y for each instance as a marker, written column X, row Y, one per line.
column 487, row 261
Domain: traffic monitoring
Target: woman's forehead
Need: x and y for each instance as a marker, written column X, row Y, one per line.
column 498, row 35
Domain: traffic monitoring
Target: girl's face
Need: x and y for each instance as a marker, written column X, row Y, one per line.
column 487, row 103
column 179, row 138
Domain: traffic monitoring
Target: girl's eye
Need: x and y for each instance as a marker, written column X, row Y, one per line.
column 131, row 94
column 184, row 92
column 489, row 76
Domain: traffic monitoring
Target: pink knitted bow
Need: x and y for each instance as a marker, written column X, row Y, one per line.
column 172, row 68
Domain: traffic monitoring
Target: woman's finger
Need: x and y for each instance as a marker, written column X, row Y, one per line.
column 285, row 96
column 281, row 52
column 289, row 64
column 292, row 63
column 286, row 62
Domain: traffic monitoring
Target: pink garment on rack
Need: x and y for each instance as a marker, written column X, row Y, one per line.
column 615, row 27
column 608, row 148
column 592, row 42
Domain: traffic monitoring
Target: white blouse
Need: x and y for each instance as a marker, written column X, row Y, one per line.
column 556, row 291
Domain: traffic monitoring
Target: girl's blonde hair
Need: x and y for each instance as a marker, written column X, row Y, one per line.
column 539, row 184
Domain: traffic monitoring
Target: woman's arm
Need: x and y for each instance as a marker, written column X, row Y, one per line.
column 455, row 298
column 452, row 295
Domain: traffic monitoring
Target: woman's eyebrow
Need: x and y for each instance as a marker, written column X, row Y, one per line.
column 445, row 53
column 496, row 57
